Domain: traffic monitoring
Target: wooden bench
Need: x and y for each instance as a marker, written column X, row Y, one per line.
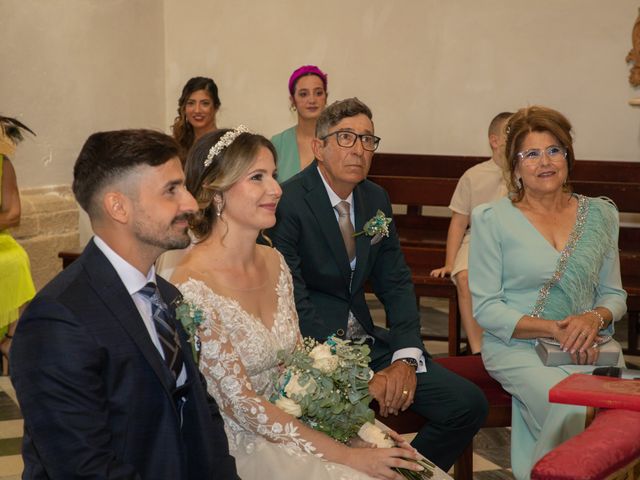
column 417, row 181
column 67, row 258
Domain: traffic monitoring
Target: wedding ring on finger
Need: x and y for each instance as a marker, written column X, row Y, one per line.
column 405, row 392
column 584, row 334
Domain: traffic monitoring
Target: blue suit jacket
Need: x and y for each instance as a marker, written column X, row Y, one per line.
column 97, row 398
column 308, row 235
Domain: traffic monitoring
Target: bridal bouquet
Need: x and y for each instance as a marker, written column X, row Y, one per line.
column 326, row 385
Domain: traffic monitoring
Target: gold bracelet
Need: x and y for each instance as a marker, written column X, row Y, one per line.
column 600, row 317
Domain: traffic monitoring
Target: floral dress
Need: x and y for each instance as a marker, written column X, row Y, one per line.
column 239, row 361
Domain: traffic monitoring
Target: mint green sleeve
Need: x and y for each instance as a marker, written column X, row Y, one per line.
column 486, row 269
column 609, row 292
column 288, row 161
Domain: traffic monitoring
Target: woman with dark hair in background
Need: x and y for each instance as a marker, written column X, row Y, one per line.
column 16, row 286
column 308, row 97
column 197, row 108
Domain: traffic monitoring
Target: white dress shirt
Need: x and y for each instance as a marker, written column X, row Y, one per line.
column 409, row 352
column 133, row 281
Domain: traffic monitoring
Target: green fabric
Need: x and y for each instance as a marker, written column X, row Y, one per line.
column 574, row 292
column 509, row 262
column 288, row 155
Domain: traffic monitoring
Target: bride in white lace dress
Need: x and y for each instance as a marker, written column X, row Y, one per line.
column 245, row 293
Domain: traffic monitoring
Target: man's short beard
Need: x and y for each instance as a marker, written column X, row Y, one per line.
column 167, row 242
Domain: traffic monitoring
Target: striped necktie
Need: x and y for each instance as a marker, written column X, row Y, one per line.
column 165, row 327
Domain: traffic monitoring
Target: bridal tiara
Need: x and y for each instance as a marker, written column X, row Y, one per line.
column 226, row 140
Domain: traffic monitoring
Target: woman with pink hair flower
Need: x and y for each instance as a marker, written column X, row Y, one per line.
column 308, row 97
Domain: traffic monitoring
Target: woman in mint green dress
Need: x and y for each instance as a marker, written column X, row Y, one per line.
column 308, row 97
column 543, row 263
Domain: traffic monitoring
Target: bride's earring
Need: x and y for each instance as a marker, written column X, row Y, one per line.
column 219, row 204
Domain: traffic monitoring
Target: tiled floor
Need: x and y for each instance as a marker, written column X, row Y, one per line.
column 491, row 445
column 10, row 432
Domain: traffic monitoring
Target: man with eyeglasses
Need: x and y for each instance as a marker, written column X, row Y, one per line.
column 321, row 231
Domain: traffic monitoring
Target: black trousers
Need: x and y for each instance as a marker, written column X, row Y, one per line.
column 455, row 410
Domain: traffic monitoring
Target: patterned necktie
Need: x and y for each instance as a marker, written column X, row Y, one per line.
column 346, row 228
column 165, row 328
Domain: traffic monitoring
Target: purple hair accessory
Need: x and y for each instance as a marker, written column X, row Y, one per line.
column 306, row 70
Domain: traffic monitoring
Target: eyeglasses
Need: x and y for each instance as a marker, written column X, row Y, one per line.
column 533, row 156
column 347, row 139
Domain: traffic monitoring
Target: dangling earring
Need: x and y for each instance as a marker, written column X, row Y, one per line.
column 219, row 204
column 292, row 107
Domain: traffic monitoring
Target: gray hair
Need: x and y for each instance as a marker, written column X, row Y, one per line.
column 334, row 113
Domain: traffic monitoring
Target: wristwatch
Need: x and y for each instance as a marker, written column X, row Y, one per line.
column 412, row 362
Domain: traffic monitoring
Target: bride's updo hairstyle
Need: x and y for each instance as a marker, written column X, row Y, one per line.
column 534, row 119
column 215, row 163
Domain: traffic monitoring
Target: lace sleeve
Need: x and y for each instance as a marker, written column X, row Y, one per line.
column 229, row 384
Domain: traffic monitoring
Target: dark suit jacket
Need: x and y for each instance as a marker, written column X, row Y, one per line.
column 308, row 236
column 96, row 396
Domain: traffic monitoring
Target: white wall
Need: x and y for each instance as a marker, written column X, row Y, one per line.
column 73, row 67
column 433, row 72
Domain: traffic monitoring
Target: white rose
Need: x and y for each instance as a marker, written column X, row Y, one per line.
column 323, row 359
column 373, row 434
column 289, row 406
column 294, row 387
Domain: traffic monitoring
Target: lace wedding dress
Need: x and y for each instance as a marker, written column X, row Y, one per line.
column 239, row 361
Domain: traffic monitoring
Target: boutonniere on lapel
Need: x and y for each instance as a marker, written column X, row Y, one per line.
column 190, row 317
column 377, row 227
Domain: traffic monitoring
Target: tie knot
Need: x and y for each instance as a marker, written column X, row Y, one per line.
column 344, row 209
column 149, row 290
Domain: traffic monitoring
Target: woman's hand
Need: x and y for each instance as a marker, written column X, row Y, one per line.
column 577, row 333
column 441, row 272
column 401, row 442
column 379, row 462
column 588, row 357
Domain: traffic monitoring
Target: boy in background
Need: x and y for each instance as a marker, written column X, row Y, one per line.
column 481, row 183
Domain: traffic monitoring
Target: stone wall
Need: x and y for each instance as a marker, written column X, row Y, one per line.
column 48, row 224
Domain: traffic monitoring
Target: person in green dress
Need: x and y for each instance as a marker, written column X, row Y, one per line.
column 308, row 97
column 543, row 262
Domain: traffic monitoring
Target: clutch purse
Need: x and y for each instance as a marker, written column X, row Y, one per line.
column 551, row 354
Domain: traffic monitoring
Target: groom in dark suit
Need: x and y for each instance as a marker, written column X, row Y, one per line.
column 320, row 211
column 104, row 377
